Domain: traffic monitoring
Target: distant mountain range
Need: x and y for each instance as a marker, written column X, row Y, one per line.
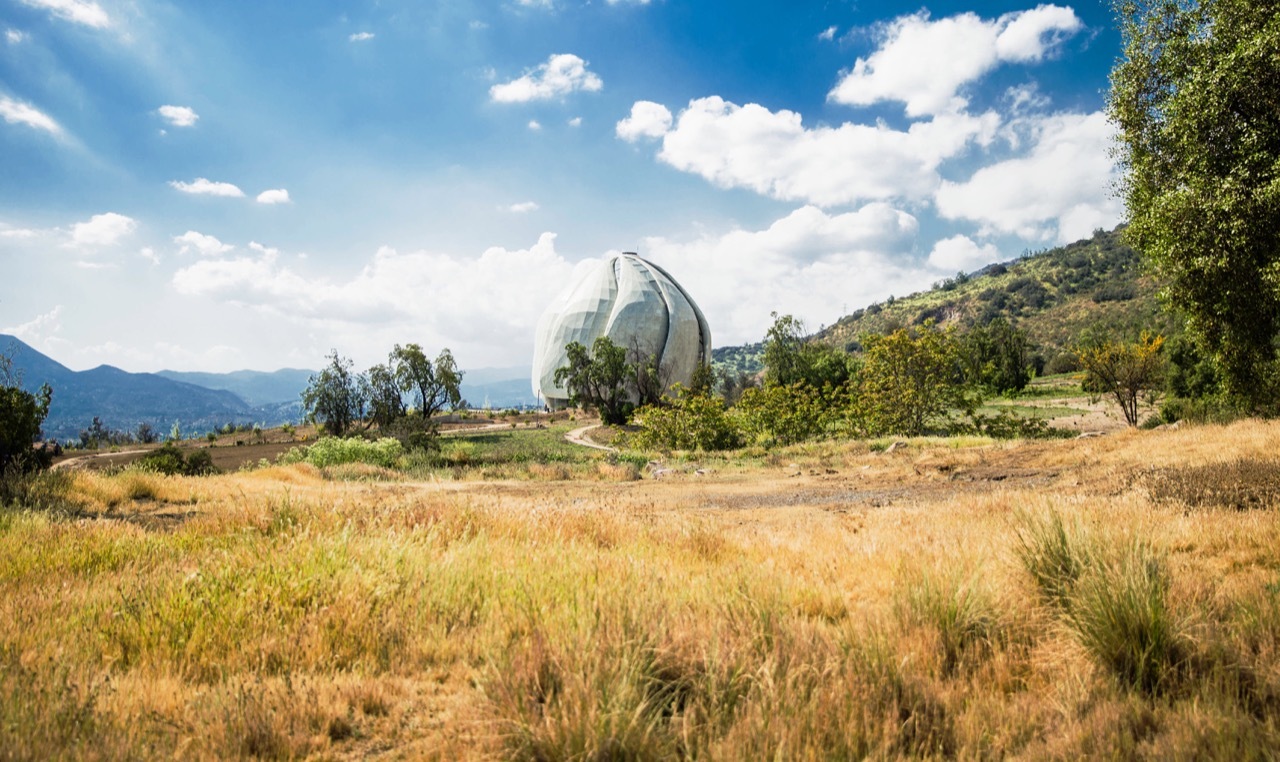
column 202, row 402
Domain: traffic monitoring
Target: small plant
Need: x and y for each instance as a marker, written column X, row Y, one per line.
column 1121, row 616
column 169, row 460
column 1054, row 554
column 332, row 451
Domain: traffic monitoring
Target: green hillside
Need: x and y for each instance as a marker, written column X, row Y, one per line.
column 1054, row 295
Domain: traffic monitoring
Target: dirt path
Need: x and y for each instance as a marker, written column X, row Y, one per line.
column 579, row 437
column 81, row 461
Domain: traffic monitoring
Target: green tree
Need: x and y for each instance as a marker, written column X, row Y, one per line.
column 21, row 415
column 386, row 402
column 1123, row 370
column 789, row 358
column 996, row 356
column 911, row 380
column 432, row 385
column 335, row 396
column 600, row 379
column 1195, row 102
column 782, row 415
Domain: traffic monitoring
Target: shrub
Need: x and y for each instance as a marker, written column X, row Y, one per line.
column 958, row 608
column 169, row 460
column 781, row 414
column 690, row 422
column 1239, row 484
column 1054, row 554
column 332, row 451
column 1120, row 614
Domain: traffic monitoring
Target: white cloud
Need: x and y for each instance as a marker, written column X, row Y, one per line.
column 204, row 245
column 39, row 328
column 18, row 233
column 360, row 36
column 395, row 295
column 647, row 120
column 17, row 112
column 536, row 3
column 925, row 63
column 534, row 125
column 274, row 196
column 478, row 25
column 563, row 73
column 102, row 230
column 14, row 36
column 83, row 12
column 178, row 116
column 203, row 187
column 575, row 122
column 828, row 34
column 150, row 255
column 959, row 253
column 524, row 207
column 628, row 2
column 772, row 153
column 810, row 264
column 1060, row 191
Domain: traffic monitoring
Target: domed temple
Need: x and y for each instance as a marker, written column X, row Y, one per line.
column 637, row 305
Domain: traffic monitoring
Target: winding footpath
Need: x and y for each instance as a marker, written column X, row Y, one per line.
column 579, row 437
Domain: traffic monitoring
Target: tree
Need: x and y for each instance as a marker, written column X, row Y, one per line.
column 335, row 396
column 1124, row 370
column 911, row 379
column 996, row 357
column 21, row 415
column 692, row 421
column 386, row 402
column 432, row 385
column 599, row 379
column 1195, row 102
column 791, row 359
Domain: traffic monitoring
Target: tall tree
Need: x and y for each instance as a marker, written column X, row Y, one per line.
column 599, row 378
column 21, row 415
column 335, row 396
column 433, row 385
column 1195, row 99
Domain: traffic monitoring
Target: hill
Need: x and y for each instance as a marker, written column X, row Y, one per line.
column 253, row 386
column 1054, row 295
column 124, row 400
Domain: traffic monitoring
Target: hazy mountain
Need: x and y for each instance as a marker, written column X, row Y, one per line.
column 123, row 400
column 253, row 386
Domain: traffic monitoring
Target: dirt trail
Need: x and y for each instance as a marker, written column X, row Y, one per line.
column 579, row 437
column 81, row 461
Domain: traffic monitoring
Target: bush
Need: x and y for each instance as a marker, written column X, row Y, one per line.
column 781, row 414
column 332, row 451
column 169, row 460
column 1054, row 554
column 1120, row 614
column 690, row 422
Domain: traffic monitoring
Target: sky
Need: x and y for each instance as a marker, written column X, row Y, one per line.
column 220, row 185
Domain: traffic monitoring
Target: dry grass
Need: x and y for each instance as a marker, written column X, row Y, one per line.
column 1017, row 599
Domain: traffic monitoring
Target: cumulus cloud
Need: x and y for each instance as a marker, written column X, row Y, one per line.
column 14, row 36
column 811, row 264
column 274, row 196
column 178, row 116
column 199, row 243
column 960, row 253
column 102, row 230
column 647, row 120
column 524, row 207
column 924, row 63
column 17, row 112
column 204, row 187
column 360, row 36
column 828, row 34
column 774, row 154
column 83, row 12
column 1060, row 191
column 562, row 74
column 575, row 122
column 534, row 125
column 400, row 294
column 39, row 328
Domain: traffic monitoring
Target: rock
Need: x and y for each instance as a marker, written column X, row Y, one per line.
column 895, row 446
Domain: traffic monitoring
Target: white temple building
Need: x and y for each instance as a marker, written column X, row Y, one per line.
column 633, row 302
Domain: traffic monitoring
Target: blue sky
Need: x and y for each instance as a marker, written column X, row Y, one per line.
column 219, row 185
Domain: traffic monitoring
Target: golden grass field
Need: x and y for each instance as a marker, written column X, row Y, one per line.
column 1114, row 597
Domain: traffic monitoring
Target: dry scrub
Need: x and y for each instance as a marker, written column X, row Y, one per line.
column 1039, row 600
